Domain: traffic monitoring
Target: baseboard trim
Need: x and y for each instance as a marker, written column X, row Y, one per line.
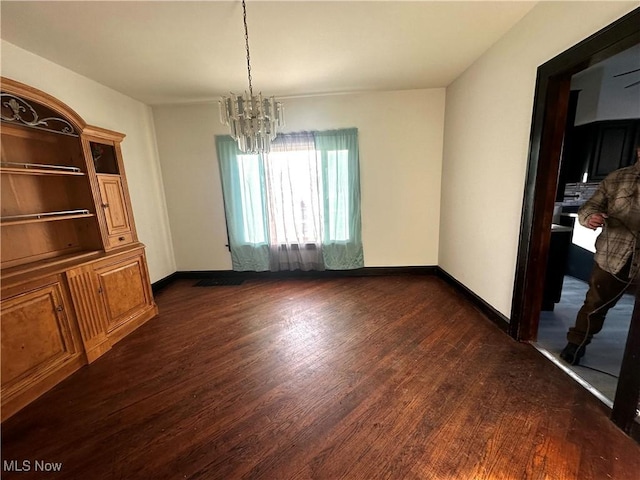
column 164, row 282
column 494, row 315
column 358, row 272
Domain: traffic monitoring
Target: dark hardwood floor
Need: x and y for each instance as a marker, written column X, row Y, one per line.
column 393, row 377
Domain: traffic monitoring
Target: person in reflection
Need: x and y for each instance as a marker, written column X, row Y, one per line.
column 615, row 206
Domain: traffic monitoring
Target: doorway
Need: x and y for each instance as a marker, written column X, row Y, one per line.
column 551, row 109
column 602, row 133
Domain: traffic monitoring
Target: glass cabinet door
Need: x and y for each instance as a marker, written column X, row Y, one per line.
column 104, row 157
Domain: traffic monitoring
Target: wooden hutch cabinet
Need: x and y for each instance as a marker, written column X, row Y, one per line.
column 74, row 276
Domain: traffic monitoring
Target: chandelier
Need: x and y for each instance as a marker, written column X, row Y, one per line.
column 252, row 120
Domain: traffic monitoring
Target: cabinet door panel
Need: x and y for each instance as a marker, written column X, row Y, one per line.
column 114, row 205
column 124, row 290
column 85, row 293
column 36, row 336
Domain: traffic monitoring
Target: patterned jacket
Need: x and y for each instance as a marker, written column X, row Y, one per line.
column 618, row 195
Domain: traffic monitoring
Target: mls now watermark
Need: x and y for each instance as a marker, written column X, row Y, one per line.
column 30, row 465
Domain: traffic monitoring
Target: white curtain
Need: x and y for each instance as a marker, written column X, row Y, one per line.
column 293, row 180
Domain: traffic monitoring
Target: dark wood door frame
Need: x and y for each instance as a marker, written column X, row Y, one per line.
column 547, row 133
column 626, row 402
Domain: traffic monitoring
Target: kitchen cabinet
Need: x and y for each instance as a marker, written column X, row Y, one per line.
column 613, row 147
column 598, row 149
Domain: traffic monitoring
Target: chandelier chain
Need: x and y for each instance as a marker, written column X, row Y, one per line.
column 246, row 40
column 253, row 121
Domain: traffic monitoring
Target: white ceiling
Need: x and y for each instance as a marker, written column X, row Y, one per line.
column 188, row 51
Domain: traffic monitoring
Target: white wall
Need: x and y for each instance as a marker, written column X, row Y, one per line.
column 104, row 107
column 487, row 126
column 400, row 138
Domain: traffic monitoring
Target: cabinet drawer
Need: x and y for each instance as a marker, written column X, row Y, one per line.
column 119, row 240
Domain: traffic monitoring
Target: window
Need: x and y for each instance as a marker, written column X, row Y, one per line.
column 293, row 193
column 298, row 206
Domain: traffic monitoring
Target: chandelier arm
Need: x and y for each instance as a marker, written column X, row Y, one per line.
column 246, row 40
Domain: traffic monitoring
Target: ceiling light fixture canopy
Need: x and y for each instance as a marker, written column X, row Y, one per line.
column 252, row 120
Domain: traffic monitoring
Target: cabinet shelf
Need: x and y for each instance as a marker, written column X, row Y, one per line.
column 45, row 217
column 39, row 169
